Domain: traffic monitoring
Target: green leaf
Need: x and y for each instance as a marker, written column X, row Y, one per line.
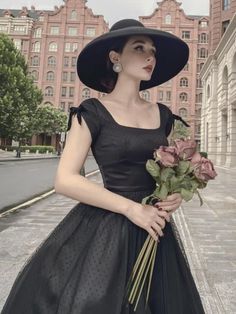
column 183, row 167
column 153, row 168
column 186, row 194
column 161, row 191
column 166, row 174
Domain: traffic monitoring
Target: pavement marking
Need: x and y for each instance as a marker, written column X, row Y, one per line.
column 40, row 197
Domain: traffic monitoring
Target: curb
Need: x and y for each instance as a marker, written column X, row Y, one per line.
column 7, row 210
column 27, row 158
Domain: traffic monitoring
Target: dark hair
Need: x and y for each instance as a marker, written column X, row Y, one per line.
column 109, row 78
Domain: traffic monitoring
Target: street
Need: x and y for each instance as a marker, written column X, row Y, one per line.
column 208, row 234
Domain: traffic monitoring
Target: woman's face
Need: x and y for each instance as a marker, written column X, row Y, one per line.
column 138, row 58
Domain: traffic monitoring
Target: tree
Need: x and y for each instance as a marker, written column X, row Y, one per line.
column 49, row 120
column 19, row 97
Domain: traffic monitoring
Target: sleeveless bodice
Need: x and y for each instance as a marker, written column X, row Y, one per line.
column 121, row 152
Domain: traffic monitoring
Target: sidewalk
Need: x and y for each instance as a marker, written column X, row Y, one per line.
column 208, row 234
column 11, row 156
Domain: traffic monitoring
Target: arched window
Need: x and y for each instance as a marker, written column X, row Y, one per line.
column 35, row 75
column 73, row 15
column 35, row 61
column 183, row 82
column 85, row 93
column 199, row 98
column 183, row 97
column 53, row 47
column 146, row 95
column 36, row 46
column 50, row 76
column 37, row 33
column 183, row 112
column 52, row 61
column 168, row 19
column 48, row 91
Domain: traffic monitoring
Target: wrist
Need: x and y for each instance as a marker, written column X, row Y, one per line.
column 130, row 207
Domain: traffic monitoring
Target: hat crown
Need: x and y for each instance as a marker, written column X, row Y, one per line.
column 126, row 23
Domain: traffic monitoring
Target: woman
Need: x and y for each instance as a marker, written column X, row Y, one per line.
column 84, row 265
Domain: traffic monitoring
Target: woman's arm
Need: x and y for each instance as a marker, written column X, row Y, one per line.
column 70, row 183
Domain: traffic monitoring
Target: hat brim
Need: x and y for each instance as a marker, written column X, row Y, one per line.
column 172, row 55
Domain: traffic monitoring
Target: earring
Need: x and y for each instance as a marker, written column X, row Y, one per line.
column 117, row 67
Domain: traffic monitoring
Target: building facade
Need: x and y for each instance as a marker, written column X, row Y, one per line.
column 52, row 40
column 219, row 100
column 221, row 12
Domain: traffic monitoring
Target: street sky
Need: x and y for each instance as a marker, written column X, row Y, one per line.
column 112, row 10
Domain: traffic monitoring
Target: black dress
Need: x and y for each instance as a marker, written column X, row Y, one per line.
column 84, row 264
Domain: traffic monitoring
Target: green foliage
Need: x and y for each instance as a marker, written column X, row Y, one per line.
column 49, row 120
column 19, row 97
column 31, row 149
column 203, row 154
column 180, row 131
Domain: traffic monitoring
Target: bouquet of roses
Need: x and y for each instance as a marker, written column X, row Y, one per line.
column 175, row 169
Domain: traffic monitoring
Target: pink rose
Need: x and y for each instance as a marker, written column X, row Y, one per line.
column 205, row 170
column 196, row 158
column 185, row 148
column 167, row 156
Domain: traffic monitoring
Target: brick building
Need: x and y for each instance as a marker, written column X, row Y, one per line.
column 52, row 40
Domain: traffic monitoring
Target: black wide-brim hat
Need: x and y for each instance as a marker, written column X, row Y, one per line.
column 172, row 54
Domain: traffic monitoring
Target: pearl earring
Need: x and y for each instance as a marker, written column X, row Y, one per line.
column 117, row 67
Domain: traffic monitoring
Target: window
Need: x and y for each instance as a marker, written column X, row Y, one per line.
column 225, row 25
column 38, row 33
column 168, row 19
column 74, row 47
column 50, row 76
column 186, row 34
column 73, row 15
column 72, row 31
column 90, row 31
column 3, row 28
column 199, row 67
column 17, row 43
column 64, row 76
column 48, row 91
column 54, row 30
column 66, row 61
column 202, row 38
column 35, row 61
column 19, row 29
column 183, row 97
column 226, row 4
column 183, row 82
column 203, row 24
column 73, row 61
column 199, row 98
column 71, row 91
column 53, row 47
column 202, row 53
column 36, row 46
column 41, row 18
column 63, row 105
column 199, row 83
column 72, row 76
column 208, row 91
column 67, row 47
column 85, row 93
column 35, row 75
column 146, row 95
column 63, row 91
column 183, row 112
column 168, row 96
column 51, row 61
column 160, row 95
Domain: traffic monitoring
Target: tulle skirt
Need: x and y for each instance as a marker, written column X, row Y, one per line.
column 84, row 265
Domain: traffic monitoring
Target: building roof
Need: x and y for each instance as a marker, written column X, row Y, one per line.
column 34, row 14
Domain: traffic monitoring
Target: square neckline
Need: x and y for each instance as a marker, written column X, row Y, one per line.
column 125, row 126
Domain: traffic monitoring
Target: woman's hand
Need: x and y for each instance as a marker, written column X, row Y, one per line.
column 149, row 218
column 171, row 203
